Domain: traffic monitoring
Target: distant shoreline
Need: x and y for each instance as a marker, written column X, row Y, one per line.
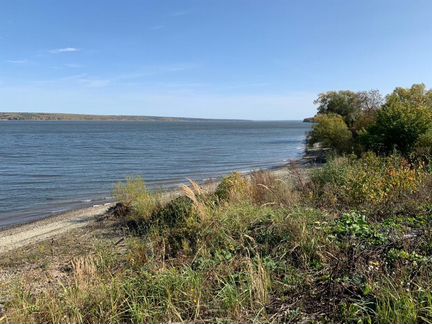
column 25, row 116
column 302, row 162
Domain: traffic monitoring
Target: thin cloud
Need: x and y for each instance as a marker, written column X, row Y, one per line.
column 64, row 50
column 95, row 83
column 177, row 67
column 179, row 13
column 157, row 27
column 24, row 61
column 73, row 65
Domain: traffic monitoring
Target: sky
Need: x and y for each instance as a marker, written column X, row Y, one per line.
column 248, row 59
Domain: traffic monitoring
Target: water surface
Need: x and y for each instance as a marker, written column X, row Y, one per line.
column 51, row 167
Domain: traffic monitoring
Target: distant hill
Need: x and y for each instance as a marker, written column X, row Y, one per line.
column 81, row 117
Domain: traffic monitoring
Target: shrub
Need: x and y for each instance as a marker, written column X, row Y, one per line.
column 260, row 251
column 346, row 104
column 268, row 189
column 423, row 146
column 174, row 212
column 332, row 132
column 137, row 198
column 405, row 117
column 355, row 226
column 368, row 182
column 233, row 187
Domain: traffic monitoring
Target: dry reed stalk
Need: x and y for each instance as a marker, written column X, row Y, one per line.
column 84, row 269
column 260, row 281
column 192, row 193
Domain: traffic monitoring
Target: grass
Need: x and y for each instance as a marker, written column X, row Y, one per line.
column 257, row 249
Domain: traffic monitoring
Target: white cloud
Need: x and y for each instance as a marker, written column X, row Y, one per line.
column 95, row 83
column 73, row 65
column 157, row 27
column 64, row 50
column 24, row 61
column 179, row 13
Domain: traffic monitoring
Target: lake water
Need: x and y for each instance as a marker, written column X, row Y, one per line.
column 51, row 167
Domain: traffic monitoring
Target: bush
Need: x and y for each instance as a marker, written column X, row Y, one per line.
column 175, row 212
column 423, row 146
column 233, row 187
column 268, row 189
column 332, row 132
column 405, row 117
column 353, row 226
column 346, row 104
column 368, row 182
column 137, row 199
column 251, row 259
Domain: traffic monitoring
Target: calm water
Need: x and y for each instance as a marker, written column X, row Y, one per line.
column 51, row 167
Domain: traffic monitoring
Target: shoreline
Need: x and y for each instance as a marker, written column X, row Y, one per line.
column 40, row 230
column 34, row 231
column 98, row 202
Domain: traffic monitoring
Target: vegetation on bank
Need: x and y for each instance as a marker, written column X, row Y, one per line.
column 349, row 242
column 357, row 122
column 83, row 117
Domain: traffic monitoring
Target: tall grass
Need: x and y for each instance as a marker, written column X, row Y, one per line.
column 258, row 249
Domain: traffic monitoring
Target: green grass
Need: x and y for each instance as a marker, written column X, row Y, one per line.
column 259, row 249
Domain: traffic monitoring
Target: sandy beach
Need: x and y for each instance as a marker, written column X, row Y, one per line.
column 44, row 229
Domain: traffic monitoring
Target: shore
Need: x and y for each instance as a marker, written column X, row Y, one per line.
column 56, row 225
column 46, row 228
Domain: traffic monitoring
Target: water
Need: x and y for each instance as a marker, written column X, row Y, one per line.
column 52, row 167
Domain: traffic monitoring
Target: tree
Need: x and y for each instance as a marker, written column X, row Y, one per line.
column 423, row 146
column 370, row 101
column 417, row 95
column 406, row 115
column 348, row 104
column 332, row 131
column 344, row 103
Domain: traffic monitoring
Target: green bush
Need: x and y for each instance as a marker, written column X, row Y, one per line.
column 137, row 198
column 346, row 104
column 405, row 117
column 423, row 146
column 367, row 182
column 355, row 226
column 332, row 132
column 175, row 212
column 233, row 187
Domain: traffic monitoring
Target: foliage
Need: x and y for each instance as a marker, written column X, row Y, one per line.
column 355, row 226
column 368, row 182
column 264, row 257
column 332, row 132
column 417, row 95
column 423, row 146
column 135, row 196
column 174, row 212
column 400, row 124
column 232, row 187
column 348, row 104
column 404, row 118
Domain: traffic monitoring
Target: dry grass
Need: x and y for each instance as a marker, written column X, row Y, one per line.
column 268, row 189
column 256, row 250
column 195, row 193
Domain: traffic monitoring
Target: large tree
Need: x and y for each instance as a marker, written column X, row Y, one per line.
column 348, row 104
column 406, row 115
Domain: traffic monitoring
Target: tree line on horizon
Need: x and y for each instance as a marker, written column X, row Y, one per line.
column 355, row 122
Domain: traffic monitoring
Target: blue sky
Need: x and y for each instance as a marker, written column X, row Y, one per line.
column 206, row 58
